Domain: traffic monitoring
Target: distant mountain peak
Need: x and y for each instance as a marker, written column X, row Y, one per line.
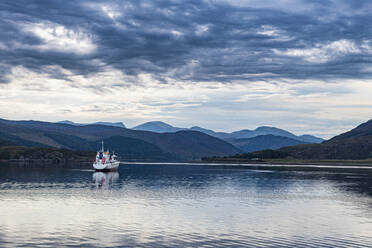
column 111, row 124
column 66, row 122
column 261, row 128
column 157, row 127
column 69, row 123
column 196, row 127
column 158, row 123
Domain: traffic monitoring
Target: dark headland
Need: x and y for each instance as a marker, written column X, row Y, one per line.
column 350, row 148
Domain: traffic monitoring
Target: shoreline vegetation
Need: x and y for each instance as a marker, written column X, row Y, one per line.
column 279, row 157
column 30, row 156
column 333, row 162
column 22, row 155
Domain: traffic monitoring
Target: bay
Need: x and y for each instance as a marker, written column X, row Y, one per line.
column 185, row 205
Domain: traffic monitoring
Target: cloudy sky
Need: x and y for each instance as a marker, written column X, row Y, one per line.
column 303, row 65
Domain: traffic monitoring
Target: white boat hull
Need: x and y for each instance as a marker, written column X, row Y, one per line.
column 106, row 166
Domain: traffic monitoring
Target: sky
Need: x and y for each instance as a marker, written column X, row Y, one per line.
column 304, row 66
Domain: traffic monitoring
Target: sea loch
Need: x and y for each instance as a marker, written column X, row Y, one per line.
column 180, row 205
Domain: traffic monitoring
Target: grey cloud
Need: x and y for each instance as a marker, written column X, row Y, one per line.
column 166, row 37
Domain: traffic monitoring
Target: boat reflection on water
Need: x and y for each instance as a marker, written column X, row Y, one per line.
column 105, row 179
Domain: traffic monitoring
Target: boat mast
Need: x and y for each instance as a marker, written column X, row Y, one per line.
column 102, row 146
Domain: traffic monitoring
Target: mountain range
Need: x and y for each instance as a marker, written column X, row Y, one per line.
column 162, row 127
column 263, row 137
column 184, row 144
column 246, row 140
column 128, row 143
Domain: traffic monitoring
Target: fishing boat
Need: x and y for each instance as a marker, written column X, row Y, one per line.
column 105, row 161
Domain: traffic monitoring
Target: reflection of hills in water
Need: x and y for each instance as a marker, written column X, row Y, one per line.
column 105, row 179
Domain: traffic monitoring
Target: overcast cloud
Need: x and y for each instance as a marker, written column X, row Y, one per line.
column 222, row 64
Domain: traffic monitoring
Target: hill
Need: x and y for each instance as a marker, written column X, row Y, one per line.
column 157, row 127
column 113, row 124
column 355, row 144
column 363, row 130
column 310, row 138
column 129, row 144
column 264, row 130
column 263, row 142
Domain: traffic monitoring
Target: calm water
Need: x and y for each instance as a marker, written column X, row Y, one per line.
column 185, row 206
